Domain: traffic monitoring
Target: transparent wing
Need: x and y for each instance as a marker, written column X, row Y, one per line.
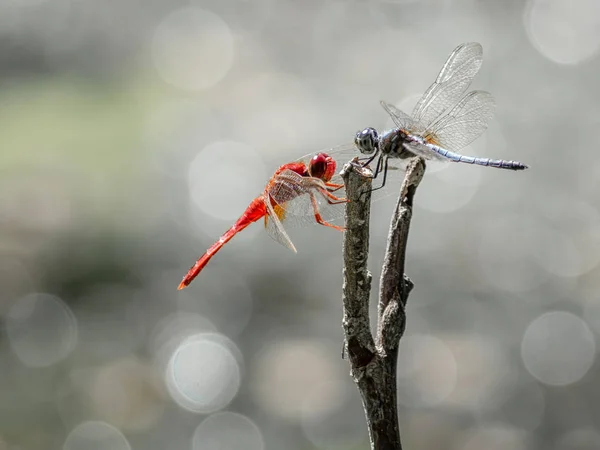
column 465, row 122
column 400, row 118
column 275, row 228
column 453, row 80
column 291, row 195
column 343, row 154
column 287, row 190
column 424, row 152
column 346, row 149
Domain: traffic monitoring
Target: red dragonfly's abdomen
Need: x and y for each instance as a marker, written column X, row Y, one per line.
column 255, row 211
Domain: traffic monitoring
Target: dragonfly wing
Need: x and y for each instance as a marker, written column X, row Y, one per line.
column 423, row 151
column 453, row 80
column 400, row 118
column 287, row 189
column 274, row 226
column 465, row 122
column 341, row 154
column 290, row 194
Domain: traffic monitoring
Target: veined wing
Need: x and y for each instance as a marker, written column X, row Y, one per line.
column 400, row 118
column 341, row 154
column 287, row 187
column 275, row 228
column 453, row 80
column 464, row 123
column 424, row 152
column 294, row 197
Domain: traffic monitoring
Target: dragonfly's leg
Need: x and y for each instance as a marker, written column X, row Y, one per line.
column 371, row 159
column 379, row 166
column 333, row 186
column 385, row 170
column 338, row 201
column 377, row 170
column 332, row 199
column 318, row 217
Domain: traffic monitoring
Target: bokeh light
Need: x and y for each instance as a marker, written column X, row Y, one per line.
column 428, row 374
column 558, row 348
column 222, row 175
column 484, row 373
column 568, row 248
column 128, row 394
column 332, row 416
column 171, row 331
column 42, row 330
column 193, row 48
column 277, row 113
column 450, row 189
column 135, row 133
column 203, row 374
column 495, row 437
column 510, row 267
column 96, row 435
column 564, row 31
column 229, row 307
column 285, row 371
column 522, row 404
column 227, row 430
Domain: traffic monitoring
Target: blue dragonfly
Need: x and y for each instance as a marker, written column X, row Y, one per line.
column 444, row 121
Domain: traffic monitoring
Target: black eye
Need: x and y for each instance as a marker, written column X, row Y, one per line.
column 318, row 169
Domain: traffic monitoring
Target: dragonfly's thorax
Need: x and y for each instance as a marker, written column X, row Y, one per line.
column 391, row 143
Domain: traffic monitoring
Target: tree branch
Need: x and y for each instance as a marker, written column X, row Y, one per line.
column 394, row 285
column 357, row 279
column 373, row 363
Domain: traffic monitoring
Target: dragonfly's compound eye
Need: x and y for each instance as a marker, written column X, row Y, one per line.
column 321, row 166
column 367, row 141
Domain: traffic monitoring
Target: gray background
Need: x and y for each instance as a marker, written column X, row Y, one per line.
column 133, row 133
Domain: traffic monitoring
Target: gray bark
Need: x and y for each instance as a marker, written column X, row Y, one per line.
column 373, row 361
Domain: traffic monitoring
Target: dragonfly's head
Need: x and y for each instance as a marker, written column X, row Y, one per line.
column 367, row 141
column 322, row 166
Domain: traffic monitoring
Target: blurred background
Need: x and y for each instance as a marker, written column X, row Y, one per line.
column 133, row 133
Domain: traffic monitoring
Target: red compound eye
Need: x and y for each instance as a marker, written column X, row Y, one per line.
column 321, row 166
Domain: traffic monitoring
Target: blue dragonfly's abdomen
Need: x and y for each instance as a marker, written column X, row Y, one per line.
column 497, row 163
column 398, row 143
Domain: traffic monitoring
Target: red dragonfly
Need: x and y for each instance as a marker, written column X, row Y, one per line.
column 298, row 189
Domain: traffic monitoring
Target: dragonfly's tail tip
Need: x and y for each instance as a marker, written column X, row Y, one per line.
column 181, row 286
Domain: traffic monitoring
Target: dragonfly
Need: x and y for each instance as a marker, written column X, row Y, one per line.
column 442, row 122
column 298, row 191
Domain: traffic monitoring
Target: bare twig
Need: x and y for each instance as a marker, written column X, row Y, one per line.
column 373, row 362
column 357, row 279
